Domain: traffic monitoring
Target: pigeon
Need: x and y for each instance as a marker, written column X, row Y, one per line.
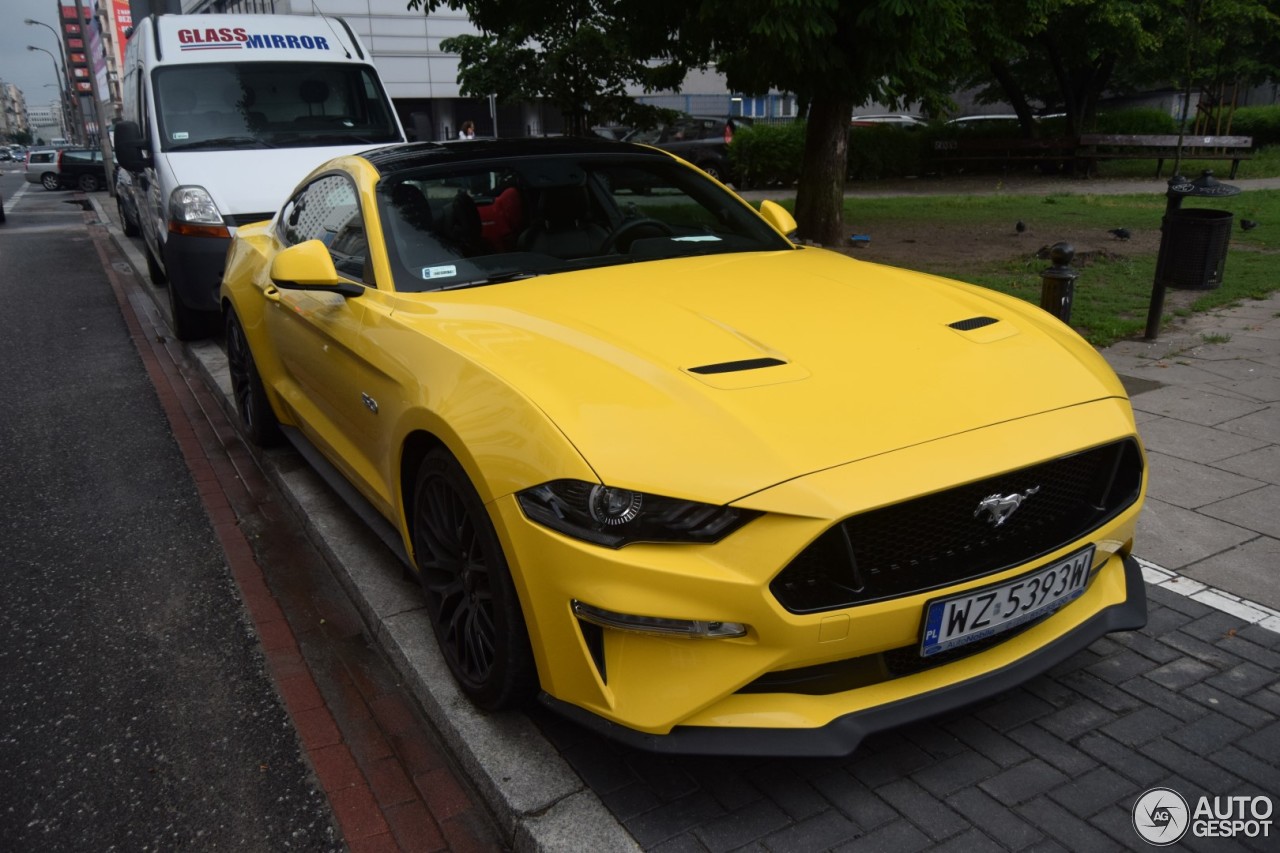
column 1043, row 252
column 1248, row 224
column 1121, row 233
column 1020, row 226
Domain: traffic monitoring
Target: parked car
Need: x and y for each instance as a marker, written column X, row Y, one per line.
column 908, row 122
column 61, row 168
column 704, row 489
column 2, row 214
column 985, row 122
column 702, row 140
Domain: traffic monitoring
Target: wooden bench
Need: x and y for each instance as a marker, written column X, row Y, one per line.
column 1161, row 147
column 977, row 149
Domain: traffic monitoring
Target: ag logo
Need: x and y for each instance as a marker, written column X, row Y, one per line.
column 1161, row 816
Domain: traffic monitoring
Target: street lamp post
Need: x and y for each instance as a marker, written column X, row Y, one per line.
column 68, row 100
column 58, row 71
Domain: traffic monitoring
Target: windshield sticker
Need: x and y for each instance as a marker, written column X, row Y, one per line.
column 181, row 134
column 449, row 271
column 698, row 238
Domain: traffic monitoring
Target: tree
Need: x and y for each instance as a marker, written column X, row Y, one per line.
column 580, row 55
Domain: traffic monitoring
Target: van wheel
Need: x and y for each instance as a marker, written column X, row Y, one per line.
column 126, row 224
column 88, row 183
column 49, row 181
column 188, row 323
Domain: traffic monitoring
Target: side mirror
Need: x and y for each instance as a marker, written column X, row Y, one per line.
column 777, row 216
column 309, row 266
column 132, row 150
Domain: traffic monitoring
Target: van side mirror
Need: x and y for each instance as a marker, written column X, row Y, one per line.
column 309, row 266
column 132, row 150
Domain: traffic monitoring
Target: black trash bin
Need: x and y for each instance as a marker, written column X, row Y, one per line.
column 1195, row 246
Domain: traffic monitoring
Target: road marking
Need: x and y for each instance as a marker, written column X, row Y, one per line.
column 1241, row 608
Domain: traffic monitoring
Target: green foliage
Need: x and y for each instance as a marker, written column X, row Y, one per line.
column 1141, row 120
column 764, row 155
column 886, row 152
column 1262, row 123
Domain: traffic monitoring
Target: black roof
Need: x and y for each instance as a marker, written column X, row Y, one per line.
column 413, row 155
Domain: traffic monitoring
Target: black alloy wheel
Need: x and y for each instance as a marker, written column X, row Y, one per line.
column 475, row 611
column 88, row 183
column 257, row 419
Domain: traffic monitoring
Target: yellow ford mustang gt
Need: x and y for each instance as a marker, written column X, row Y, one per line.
column 693, row 485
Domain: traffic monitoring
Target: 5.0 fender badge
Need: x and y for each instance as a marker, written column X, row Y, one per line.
column 999, row 507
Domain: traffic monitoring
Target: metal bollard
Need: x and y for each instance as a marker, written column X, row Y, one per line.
column 1058, row 282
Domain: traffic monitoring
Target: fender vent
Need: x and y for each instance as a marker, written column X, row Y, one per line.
column 972, row 323
column 736, row 366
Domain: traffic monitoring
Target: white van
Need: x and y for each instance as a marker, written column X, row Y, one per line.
column 223, row 116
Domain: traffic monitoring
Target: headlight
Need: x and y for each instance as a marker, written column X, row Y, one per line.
column 192, row 213
column 615, row 517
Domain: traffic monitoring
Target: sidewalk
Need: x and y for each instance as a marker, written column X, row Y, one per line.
column 1207, row 398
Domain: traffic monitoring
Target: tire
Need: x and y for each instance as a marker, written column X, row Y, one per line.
column 49, row 181
column 88, row 183
column 475, row 611
column 188, row 323
column 258, row 420
column 714, row 167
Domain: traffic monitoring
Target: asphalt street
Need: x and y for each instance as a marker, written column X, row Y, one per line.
column 136, row 713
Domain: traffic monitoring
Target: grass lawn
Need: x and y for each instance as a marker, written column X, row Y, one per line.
column 1114, row 287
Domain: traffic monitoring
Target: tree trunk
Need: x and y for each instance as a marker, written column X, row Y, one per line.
column 820, row 194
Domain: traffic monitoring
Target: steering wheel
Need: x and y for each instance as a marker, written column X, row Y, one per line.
column 633, row 228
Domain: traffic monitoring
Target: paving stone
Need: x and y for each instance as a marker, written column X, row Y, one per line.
column 854, row 799
column 793, row 795
column 1261, row 636
column 1058, row 823
column 626, row 803
column 1054, row 689
column 1079, row 660
column 1105, row 694
column 894, row 762
column 1117, row 823
column 1267, row 699
column 1141, row 726
column 1214, row 626
column 1148, row 646
column 1021, row 783
column 1208, row 734
column 1257, row 773
column 1075, row 720
column 602, row 770
column 686, row 843
column 1090, row 793
column 1160, row 619
column 1250, row 651
column 897, row 837
column 1206, row 775
column 954, row 773
column 933, row 738
column 995, row 819
column 1165, row 700
column 673, row 818
column 664, row 775
column 1265, row 744
column 935, row 819
column 742, row 827
column 1052, row 749
column 1200, row 650
column 1014, row 710
column 1181, row 673
column 1126, row 761
column 973, row 841
column 1243, row 679
column 987, row 741
column 1239, row 710
column 817, row 833
column 725, row 781
column 1179, row 603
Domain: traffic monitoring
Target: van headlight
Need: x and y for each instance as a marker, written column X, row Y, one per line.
column 192, row 211
column 613, row 517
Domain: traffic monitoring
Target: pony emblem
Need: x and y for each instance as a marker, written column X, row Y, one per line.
column 999, row 507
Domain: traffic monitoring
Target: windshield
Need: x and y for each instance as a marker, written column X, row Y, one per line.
column 271, row 105
column 473, row 224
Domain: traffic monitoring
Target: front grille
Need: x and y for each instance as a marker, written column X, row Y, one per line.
column 238, row 219
column 938, row 540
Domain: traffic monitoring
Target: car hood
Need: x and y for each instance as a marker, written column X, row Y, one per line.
column 712, row 378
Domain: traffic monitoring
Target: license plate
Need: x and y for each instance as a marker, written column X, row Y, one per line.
column 981, row 613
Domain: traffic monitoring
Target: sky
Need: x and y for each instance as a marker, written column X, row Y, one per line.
column 29, row 70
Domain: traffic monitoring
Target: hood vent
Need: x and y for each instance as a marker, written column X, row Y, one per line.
column 737, row 366
column 972, row 323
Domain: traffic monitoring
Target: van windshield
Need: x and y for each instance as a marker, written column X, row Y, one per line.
column 271, row 105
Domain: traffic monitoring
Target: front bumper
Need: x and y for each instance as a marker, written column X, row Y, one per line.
column 842, row 736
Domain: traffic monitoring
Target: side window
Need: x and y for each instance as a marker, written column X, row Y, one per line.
column 327, row 210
